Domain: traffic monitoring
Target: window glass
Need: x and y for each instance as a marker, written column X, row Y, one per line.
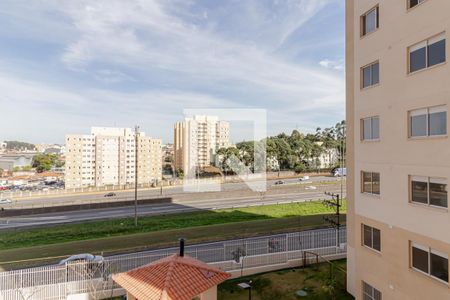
column 375, row 128
column 376, row 294
column 367, row 288
column 417, row 59
column 413, row 3
column 371, row 21
column 438, row 193
column 376, row 183
column 439, row 267
column 436, row 53
column 367, row 182
column 438, row 123
column 375, row 73
column 420, row 259
column 376, row 239
column 419, row 125
column 419, row 191
column 367, row 135
column 367, row 76
column 367, row 234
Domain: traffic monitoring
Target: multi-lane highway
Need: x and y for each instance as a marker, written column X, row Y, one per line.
column 172, row 191
column 182, row 203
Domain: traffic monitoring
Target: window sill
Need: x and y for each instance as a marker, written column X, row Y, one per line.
column 370, row 141
column 430, row 207
column 369, row 87
column 434, row 279
column 428, row 137
column 371, row 195
column 375, row 251
column 426, row 69
column 361, row 37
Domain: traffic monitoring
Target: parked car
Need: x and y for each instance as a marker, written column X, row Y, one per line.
column 84, row 257
column 304, row 178
column 5, row 201
column 110, row 195
column 279, row 182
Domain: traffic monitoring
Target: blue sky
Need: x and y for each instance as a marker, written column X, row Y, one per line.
column 68, row 65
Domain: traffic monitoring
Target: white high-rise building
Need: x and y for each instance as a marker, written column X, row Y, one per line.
column 107, row 157
column 196, row 141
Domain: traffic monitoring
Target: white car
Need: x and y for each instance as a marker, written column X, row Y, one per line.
column 304, row 178
column 5, row 201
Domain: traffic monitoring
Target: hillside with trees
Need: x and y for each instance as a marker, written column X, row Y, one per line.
column 16, row 145
column 298, row 151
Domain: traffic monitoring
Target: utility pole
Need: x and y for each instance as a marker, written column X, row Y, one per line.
column 335, row 221
column 342, row 162
column 136, row 138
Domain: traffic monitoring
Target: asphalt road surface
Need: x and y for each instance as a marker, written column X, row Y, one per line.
column 181, row 205
column 92, row 197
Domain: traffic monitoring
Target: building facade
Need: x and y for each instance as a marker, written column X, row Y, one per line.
column 107, row 157
column 196, row 141
column 10, row 161
column 398, row 161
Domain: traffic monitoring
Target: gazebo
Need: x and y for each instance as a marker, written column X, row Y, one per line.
column 177, row 277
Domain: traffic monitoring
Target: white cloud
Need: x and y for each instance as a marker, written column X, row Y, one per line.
column 331, row 64
column 217, row 56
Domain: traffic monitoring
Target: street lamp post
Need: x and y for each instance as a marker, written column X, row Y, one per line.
column 136, row 136
column 247, row 286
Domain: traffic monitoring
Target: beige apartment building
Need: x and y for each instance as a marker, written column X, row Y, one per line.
column 107, row 157
column 196, row 141
column 398, row 96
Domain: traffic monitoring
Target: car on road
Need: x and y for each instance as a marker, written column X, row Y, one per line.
column 84, row 257
column 304, row 178
column 279, row 182
column 5, row 201
column 110, row 195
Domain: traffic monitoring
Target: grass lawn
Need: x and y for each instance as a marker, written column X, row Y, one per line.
column 99, row 229
column 284, row 283
column 117, row 236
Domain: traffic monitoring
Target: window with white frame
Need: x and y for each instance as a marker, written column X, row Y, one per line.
column 370, row 21
column 370, row 75
column 371, row 237
column 370, row 128
column 429, row 191
column 429, row 261
column 370, row 182
column 431, row 121
column 413, row 3
column 370, row 293
column 427, row 53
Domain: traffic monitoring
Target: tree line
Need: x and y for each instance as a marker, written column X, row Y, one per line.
column 298, row 151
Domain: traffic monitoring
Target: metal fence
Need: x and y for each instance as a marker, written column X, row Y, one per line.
column 59, row 281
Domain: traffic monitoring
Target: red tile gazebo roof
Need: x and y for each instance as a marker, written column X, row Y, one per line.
column 171, row 278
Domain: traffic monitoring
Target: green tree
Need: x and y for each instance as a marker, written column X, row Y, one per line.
column 44, row 162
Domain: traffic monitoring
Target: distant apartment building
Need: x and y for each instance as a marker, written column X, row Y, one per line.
column 398, row 156
column 327, row 159
column 196, row 141
column 50, row 149
column 107, row 157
